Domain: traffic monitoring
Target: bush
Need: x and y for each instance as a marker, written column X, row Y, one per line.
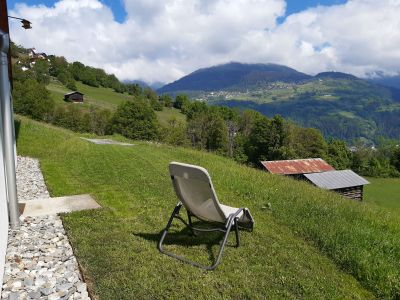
column 72, row 118
column 100, row 121
column 135, row 120
column 175, row 133
column 32, row 99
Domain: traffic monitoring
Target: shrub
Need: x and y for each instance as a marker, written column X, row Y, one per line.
column 72, row 118
column 135, row 120
column 32, row 99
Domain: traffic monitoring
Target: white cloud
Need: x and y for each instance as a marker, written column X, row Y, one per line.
column 163, row 40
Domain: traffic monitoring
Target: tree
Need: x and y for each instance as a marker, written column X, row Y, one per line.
column 88, row 77
column 339, row 156
column 268, row 140
column 166, row 99
column 306, row 142
column 181, row 101
column 258, row 141
column 191, row 109
column 41, row 70
column 133, row 89
column 217, row 138
column 58, row 64
column 100, row 121
column 135, row 120
column 66, row 78
column 77, row 70
column 33, row 99
column 150, row 94
column 175, row 133
column 396, row 159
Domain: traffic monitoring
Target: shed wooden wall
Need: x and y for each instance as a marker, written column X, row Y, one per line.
column 74, row 98
column 355, row 192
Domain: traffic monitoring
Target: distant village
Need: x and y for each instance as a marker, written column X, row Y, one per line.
column 33, row 57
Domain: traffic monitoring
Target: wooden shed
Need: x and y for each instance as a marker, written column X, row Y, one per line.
column 321, row 174
column 345, row 182
column 76, row 97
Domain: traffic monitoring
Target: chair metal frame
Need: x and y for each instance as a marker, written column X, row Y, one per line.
column 232, row 220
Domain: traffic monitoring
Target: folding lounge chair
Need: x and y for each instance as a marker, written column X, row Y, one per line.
column 196, row 193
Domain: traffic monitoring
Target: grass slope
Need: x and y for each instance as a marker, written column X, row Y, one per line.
column 384, row 192
column 97, row 96
column 305, row 246
column 106, row 98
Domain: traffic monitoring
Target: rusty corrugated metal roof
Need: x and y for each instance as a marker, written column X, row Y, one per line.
column 333, row 180
column 297, row 166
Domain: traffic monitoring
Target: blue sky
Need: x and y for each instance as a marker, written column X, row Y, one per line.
column 163, row 40
column 292, row 6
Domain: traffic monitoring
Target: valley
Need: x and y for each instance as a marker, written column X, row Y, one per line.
column 340, row 105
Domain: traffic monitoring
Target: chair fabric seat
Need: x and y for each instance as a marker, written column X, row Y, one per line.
column 228, row 210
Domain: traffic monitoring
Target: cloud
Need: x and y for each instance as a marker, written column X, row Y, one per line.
column 164, row 40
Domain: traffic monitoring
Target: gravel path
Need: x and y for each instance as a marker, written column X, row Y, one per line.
column 39, row 263
column 30, row 182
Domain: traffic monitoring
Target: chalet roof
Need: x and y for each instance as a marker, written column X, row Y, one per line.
column 333, row 180
column 72, row 93
column 297, row 166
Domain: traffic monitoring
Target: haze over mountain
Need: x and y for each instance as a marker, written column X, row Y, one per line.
column 389, row 81
column 339, row 104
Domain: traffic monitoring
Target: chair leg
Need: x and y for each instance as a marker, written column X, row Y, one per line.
column 237, row 232
column 191, row 224
column 221, row 249
column 171, row 218
column 193, row 263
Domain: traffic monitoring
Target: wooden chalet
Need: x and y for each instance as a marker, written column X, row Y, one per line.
column 76, row 97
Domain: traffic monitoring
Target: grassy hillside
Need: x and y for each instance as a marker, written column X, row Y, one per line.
column 308, row 244
column 100, row 97
column 105, row 98
column 384, row 192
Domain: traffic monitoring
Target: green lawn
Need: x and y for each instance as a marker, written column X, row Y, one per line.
column 309, row 244
column 383, row 192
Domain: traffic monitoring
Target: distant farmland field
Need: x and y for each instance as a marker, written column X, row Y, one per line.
column 383, row 192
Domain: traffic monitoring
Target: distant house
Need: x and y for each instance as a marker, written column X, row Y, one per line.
column 321, row 174
column 35, row 55
column 76, row 97
column 31, row 52
column 345, row 182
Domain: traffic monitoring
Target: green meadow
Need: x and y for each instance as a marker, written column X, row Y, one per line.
column 105, row 98
column 307, row 243
column 384, row 192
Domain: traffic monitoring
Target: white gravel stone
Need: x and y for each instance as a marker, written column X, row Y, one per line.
column 30, row 182
column 40, row 263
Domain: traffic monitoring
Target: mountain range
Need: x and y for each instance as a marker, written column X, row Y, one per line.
column 340, row 105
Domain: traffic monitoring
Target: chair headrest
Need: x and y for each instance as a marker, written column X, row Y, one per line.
column 189, row 171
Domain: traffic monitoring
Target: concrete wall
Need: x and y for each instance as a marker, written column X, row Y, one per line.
column 3, row 216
